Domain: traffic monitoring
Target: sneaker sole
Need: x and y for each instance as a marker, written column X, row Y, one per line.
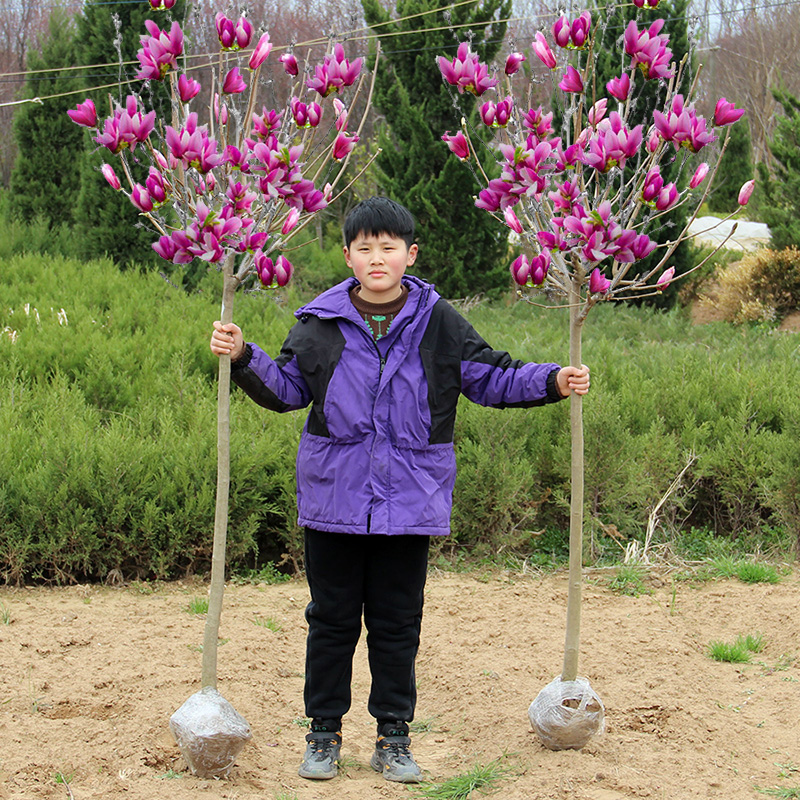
column 377, row 765
column 317, row 776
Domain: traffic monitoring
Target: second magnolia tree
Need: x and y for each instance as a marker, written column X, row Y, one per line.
column 582, row 200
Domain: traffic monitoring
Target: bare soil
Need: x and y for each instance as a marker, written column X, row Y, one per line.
column 91, row 674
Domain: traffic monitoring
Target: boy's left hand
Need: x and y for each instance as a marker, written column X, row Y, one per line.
column 572, row 379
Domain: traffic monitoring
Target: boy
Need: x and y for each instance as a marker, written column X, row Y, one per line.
column 382, row 359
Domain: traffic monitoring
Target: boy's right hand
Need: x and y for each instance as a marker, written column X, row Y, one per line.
column 227, row 340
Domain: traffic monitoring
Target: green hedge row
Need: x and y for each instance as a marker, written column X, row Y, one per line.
column 108, row 403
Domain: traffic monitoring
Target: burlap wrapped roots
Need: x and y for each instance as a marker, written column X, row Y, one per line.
column 210, row 733
column 566, row 714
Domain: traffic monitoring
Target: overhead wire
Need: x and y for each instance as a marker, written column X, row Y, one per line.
column 369, row 32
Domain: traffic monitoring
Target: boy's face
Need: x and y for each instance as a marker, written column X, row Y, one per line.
column 379, row 262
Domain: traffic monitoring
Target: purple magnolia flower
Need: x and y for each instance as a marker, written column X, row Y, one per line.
column 111, row 176
column 579, row 30
column 238, row 159
column 161, row 5
column 234, row 82
column 496, row 115
column 572, row 81
column 84, row 114
column 192, row 147
column 140, row 197
column 187, row 88
column 745, row 192
column 233, row 35
column 126, row 128
column 561, row 31
column 682, row 126
column 665, row 279
column 160, row 51
column 612, row 144
column 539, row 267
column 512, row 220
column 513, row 63
column 598, row 283
column 653, row 183
column 343, row 145
column 542, row 49
column 466, row 72
column 289, row 62
column 305, row 116
column 156, row 187
column 289, row 224
column 667, row 197
column 335, row 72
column 620, row 87
column 649, row 50
column 597, row 112
column 536, row 121
column 642, row 3
column 726, row 113
column 261, row 52
column 283, row 270
column 267, row 123
column 699, row 176
column 265, row 268
column 240, row 197
column 521, row 270
column 458, row 144
column 340, row 109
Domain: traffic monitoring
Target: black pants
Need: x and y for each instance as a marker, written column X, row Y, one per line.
column 385, row 577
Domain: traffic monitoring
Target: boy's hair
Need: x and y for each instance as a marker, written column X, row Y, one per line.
column 377, row 215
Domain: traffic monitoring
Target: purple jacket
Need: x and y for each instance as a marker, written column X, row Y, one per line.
column 376, row 454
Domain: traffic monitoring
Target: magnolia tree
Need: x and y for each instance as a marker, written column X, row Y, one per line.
column 232, row 192
column 582, row 200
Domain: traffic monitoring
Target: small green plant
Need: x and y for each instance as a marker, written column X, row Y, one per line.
column 482, row 777
column 738, row 652
column 170, row 774
column 745, row 571
column 628, row 580
column 423, row 726
column 302, row 722
column 5, row 614
column 787, row 792
column 141, row 587
column 286, row 796
column 198, row 606
column 268, row 574
column 268, row 622
column 65, row 780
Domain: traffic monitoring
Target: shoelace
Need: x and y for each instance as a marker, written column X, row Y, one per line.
column 399, row 748
column 323, row 746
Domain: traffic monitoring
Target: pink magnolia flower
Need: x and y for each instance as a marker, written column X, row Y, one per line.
column 536, row 121
column 458, row 144
column 512, row 221
column 521, row 270
column 648, row 49
column 292, row 218
column 561, row 31
column 140, row 197
column 542, row 49
column 642, row 3
column 234, row 82
column 579, row 30
column 187, row 88
column 261, row 52
column 289, row 61
column 111, row 176
column 496, row 115
column 161, row 5
column 667, row 197
column 598, row 283
column 335, row 72
column 597, row 111
column 267, row 123
column 726, row 113
column 620, row 87
column 665, row 279
column 466, row 72
column 156, row 187
column 233, row 35
column 653, row 183
column 699, row 176
column 343, row 145
column 160, row 51
column 513, row 63
column 539, row 267
column 340, row 109
column 265, row 268
column 283, row 271
column 572, row 81
column 84, row 114
column 305, row 116
column 745, row 192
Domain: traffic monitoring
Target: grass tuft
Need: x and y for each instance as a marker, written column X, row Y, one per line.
column 745, row 571
column 482, row 777
column 782, row 791
column 198, row 606
column 5, row 615
column 268, row 622
column 628, row 580
column 738, row 652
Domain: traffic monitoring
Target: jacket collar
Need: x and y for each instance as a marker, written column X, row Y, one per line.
column 335, row 302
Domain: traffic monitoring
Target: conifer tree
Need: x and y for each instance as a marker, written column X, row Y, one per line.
column 45, row 176
column 781, row 204
column 109, row 33
column 462, row 250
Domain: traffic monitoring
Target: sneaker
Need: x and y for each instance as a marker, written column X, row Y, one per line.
column 393, row 758
column 322, row 753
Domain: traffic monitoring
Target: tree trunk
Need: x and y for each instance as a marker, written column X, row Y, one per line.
column 217, row 588
column 573, row 635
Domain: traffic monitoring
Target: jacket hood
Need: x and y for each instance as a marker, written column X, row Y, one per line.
column 335, row 302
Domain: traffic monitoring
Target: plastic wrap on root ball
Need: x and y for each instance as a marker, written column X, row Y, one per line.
column 566, row 714
column 210, row 733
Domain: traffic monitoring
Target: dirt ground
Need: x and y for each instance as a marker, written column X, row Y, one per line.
column 91, row 674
